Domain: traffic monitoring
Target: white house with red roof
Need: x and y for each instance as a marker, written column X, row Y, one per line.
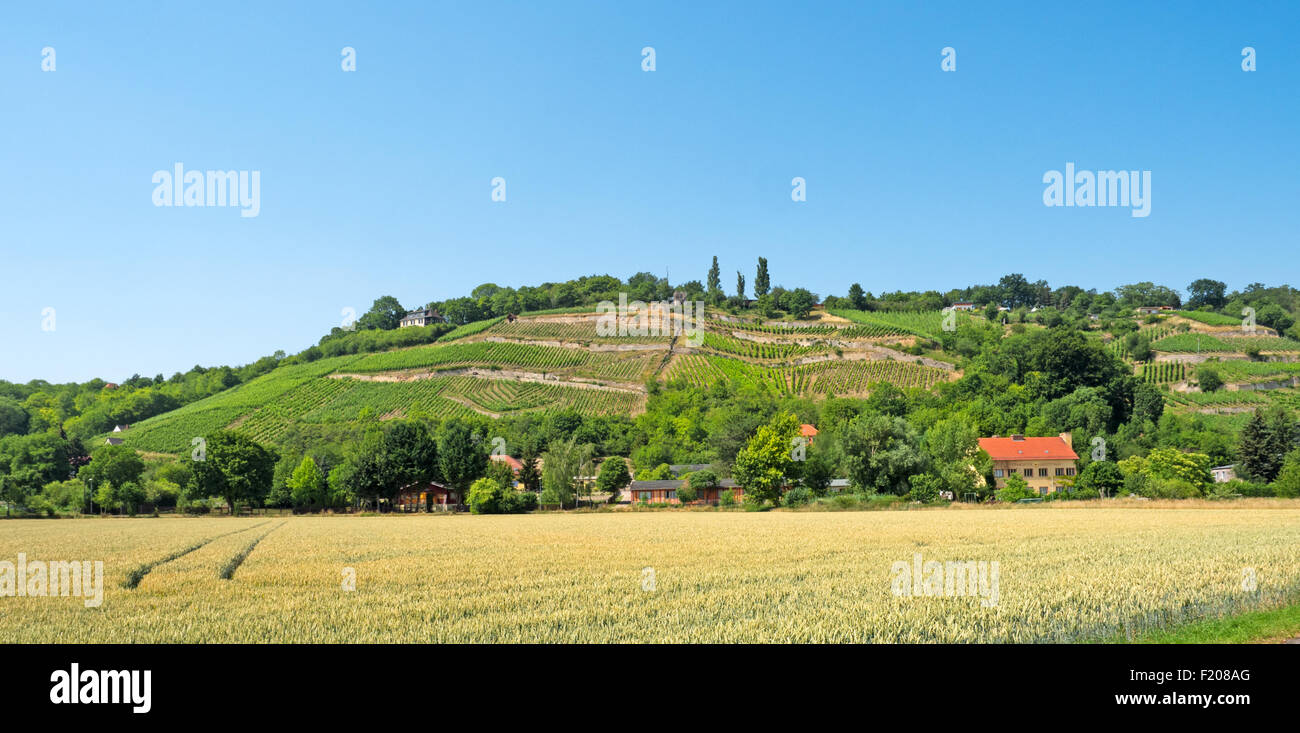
column 1044, row 463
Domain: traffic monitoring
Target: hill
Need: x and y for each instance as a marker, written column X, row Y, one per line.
column 560, row 361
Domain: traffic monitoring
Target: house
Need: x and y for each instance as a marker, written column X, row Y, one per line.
column 514, row 463
column 1150, row 310
column 808, row 431
column 109, row 385
column 665, row 491
column 422, row 318
column 427, row 496
column 114, row 441
column 1224, row 474
column 963, row 306
column 121, row 428
column 1044, row 463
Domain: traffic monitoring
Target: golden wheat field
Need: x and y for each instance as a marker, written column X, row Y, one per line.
column 1065, row 573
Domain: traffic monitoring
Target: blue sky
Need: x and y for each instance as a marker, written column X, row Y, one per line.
column 377, row 181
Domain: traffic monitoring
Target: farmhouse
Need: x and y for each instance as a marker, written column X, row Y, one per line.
column 121, row 428
column 422, row 318
column 665, row 491
column 427, row 496
column 1150, row 310
column 1044, row 463
column 114, row 441
column 963, row 306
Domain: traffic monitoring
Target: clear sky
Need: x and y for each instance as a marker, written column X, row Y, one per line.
column 377, row 181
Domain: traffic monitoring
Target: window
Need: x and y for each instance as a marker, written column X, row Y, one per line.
column 1029, row 472
column 997, row 473
column 1069, row 471
column 672, row 494
column 1042, row 490
column 1060, row 471
column 1042, row 472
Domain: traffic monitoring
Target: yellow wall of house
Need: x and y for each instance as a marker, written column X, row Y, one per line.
column 1051, row 481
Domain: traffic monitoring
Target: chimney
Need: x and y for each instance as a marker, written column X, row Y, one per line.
column 1069, row 442
column 1018, row 437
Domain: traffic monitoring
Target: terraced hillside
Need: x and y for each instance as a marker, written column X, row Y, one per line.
column 562, row 361
column 1256, row 368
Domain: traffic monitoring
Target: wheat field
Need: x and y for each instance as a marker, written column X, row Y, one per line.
column 1065, row 573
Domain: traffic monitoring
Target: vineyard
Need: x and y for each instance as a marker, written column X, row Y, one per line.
column 583, row 331
column 837, row 377
column 1209, row 319
column 620, row 366
column 1162, row 372
column 1193, row 343
column 1222, row 398
column 877, row 324
column 754, row 350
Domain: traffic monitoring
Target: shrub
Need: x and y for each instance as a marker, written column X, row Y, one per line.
column 1015, row 490
column 686, row 493
column 727, row 498
column 925, row 488
column 798, row 496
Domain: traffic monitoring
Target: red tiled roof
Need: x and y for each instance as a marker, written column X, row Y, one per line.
column 511, row 462
column 1010, row 449
column 807, row 430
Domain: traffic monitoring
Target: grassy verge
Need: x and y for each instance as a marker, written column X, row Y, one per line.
column 1274, row 625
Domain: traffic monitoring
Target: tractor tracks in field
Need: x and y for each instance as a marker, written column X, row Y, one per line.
column 228, row 570
column 137, row 573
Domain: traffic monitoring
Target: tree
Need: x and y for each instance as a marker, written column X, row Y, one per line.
column 881, row 452
column 765, row 465
column 562, row 463
column 800, row 302
column 115, row 464
column 740, row 285
column 13, row 418
column 386, row 314
column 1015, row 490
column 613, row 477
column 1102, row 478
column 1148, row 403
column 1287, row 484
column 235, row 468
column 715, row 276
column 529, row 477
column 1264, row 443
column 307, row 486
column 1208, row 378
column 956, row 459
column 1206, row 292
column 408, row 454
column 484, row 497
column 462, row 457
column 857, row 299
column 762, row 283
column 1275, row 318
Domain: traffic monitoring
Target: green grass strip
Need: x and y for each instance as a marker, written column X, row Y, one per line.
column 228, row 571
column 137, row 573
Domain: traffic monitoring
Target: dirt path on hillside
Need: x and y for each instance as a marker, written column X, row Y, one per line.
column 578, row 345
column 502, row 374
